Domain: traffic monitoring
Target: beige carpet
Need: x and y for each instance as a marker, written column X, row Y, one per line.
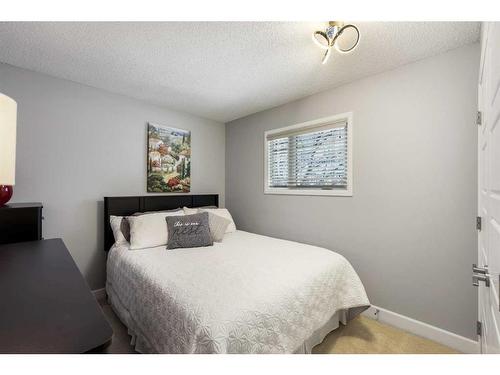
column 366, row 336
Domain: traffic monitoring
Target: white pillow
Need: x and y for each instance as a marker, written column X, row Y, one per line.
column 116, row 227
column 223, row 212
column 149, row 230
column 190, row 211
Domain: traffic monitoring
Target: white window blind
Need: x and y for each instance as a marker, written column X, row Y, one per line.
column 309, row 158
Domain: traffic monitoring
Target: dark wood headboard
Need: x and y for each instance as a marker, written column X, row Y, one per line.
column 125, row 206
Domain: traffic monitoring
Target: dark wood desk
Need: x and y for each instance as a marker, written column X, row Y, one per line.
column 45, row 304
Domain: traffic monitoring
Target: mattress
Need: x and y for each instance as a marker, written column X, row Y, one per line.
column 247, row 294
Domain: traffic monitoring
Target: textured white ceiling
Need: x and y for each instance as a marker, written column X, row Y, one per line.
column 218, row 70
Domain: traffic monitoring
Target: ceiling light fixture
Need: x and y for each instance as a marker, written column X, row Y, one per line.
column 329, row 38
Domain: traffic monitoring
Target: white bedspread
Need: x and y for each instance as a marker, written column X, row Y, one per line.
column 248, row 294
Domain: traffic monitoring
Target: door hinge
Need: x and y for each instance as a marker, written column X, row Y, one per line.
column 479, row 328
column 478, row 223
column 479, row 118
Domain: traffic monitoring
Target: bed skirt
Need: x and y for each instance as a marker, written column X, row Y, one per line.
column 138, row 340
column 141, row 344
column 319, row 335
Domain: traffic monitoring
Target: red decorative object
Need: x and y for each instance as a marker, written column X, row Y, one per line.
column 5, row 194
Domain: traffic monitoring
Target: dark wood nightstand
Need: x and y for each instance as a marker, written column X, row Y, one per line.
column 20, row 222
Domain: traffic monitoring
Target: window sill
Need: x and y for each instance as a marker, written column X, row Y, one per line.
column 312, row 192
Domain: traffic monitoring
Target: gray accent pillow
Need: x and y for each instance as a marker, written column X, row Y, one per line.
column 125, row 228
column 188, row 231
column 218, row 226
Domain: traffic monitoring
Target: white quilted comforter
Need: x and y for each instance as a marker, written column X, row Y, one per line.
column 248, row 294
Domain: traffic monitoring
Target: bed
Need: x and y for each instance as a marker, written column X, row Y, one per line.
column 247, row 294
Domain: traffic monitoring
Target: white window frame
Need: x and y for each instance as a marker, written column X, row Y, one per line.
column 344, row 192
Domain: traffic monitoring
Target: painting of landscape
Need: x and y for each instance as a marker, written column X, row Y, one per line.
column 169, row 160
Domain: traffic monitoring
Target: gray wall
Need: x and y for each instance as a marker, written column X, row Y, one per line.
column 77, row 144
column 409, row 228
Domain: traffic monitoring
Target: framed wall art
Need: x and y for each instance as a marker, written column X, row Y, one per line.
column 169, row 160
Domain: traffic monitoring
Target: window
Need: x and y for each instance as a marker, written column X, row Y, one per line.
column 313, row 158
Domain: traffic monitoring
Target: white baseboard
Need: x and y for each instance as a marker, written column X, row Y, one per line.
column 452, row 340
column 99, row 294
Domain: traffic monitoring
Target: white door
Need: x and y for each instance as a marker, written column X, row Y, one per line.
column 487, row 273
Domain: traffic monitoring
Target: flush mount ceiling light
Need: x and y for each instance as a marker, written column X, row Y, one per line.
column 335, row 36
